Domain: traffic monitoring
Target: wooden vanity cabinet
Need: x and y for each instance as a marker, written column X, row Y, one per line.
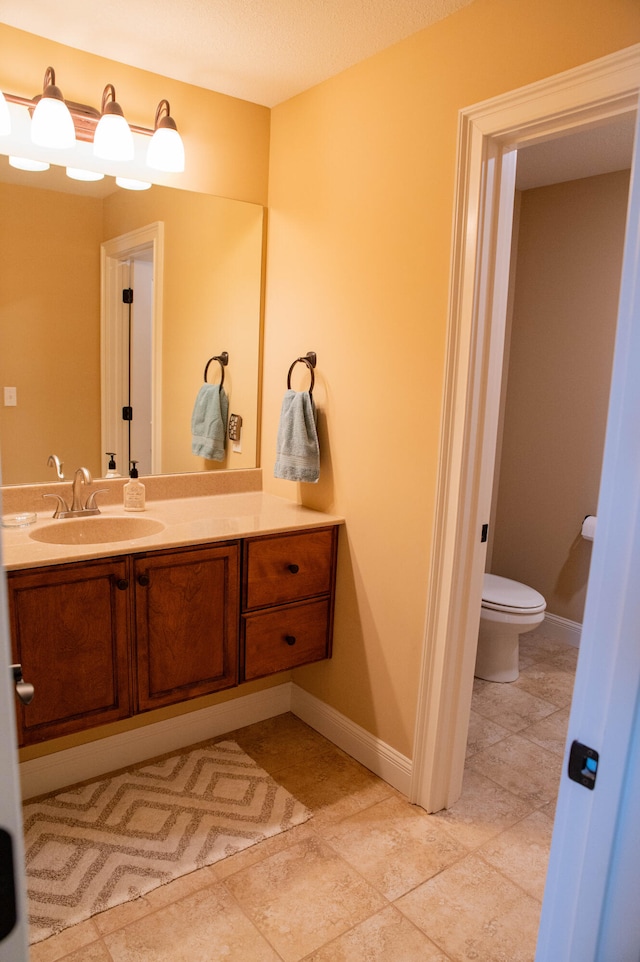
column 104, row 639
column 288, row 587
column 70, row 631
column 186, row 619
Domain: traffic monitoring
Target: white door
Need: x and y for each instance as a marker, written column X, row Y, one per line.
column 13, row 947
column 590, row 910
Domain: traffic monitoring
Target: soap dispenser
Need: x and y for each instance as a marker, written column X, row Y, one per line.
column 133, row 491
column 112, row 471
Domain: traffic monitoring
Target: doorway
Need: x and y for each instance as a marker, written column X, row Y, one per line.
column 131, row 348
column 489, row 137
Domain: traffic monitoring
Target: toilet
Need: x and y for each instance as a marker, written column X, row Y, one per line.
column 508, row 610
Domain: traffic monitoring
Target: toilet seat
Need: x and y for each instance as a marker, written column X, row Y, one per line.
column 511, row 597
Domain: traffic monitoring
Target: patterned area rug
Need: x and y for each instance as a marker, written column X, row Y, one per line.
column 96, row 846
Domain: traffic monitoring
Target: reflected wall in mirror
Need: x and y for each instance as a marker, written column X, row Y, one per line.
column 50, row 349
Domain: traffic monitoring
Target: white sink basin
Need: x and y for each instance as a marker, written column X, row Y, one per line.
column 96, row 530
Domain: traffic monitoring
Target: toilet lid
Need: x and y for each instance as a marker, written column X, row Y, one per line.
column 503, row 594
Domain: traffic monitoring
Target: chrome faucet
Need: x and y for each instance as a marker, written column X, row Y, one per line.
column 77, row 509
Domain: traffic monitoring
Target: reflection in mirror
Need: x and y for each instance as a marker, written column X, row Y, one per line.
column 207, row 301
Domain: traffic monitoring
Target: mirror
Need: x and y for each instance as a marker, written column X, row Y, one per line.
column 50, row 319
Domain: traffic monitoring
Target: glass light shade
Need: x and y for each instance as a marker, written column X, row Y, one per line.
column 78, row 173
column 52, row 124
column 5, row 119
column 25, row 163
column 129, row 184
column 113, row 139
column 166, row 151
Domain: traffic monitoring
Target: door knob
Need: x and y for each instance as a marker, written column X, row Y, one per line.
column 24, row 690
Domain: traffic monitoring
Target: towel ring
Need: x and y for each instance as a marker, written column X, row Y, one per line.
column 310, row 360
column 223, row 360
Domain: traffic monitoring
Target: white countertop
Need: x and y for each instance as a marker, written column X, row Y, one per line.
column 187, row 521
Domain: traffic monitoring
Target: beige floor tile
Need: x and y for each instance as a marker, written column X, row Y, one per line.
column 541, row 643
column 550, row 732
column 333, row 787
column 482, row 733
column 386, row 937
column 508, row 705
column 471, row 911
column 96, row 952
column 547, row 681
column 566, row 657
column 522, row 852
column 483, row 810
column 207, row 926
column 59, row 946
column 521, row 767
column 281, row 741
column 395, row 846
column 304, row 897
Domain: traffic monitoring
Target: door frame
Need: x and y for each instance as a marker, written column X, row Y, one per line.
column 113, row 348
column 488, row 136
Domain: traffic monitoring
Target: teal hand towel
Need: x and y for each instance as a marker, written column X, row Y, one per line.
column 209, row 422
column 297, row 448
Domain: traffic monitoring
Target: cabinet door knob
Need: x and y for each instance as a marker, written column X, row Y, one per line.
column 294, row 569
column 122, row 584
column 290, row 639
column 143, row 581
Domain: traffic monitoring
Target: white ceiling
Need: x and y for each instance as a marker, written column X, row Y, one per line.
column 263, row 51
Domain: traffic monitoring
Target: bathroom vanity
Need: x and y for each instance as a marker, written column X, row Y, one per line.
column 234, row 587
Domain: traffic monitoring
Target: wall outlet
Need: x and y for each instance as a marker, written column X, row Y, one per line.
column 10, row 397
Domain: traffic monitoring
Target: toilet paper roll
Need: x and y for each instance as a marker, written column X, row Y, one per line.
column 589, row 527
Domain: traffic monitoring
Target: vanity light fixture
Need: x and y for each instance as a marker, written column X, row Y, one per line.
column 127, row 183
column 25, row 163
column 77, row 173
column 59, row 123
column 51, row 123
column 166, row 150
column 112, row 139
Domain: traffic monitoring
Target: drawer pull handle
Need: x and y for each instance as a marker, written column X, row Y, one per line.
column 143, row 581
column 294, row 569
column 122, row 584
column 290, row 639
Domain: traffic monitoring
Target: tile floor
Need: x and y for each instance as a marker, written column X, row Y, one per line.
column 371, row 878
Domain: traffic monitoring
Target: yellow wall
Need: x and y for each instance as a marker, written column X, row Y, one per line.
column 226, row 140
column 360, row 210
column 569, row 260
column 45, row 326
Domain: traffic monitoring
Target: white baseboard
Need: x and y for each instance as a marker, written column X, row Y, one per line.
column 52, row 772
column 564, row 629
column 370, row 751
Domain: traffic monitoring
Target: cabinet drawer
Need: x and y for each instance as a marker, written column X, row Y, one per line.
column 286, row 637
column 287, row 568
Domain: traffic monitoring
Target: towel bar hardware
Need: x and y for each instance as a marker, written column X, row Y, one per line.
column 310, row 359
column 223, row 360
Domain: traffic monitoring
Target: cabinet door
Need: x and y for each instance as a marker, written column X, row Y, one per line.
column 70, row 633
column 187, row 623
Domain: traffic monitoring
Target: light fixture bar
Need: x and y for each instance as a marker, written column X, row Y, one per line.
column 86, row 118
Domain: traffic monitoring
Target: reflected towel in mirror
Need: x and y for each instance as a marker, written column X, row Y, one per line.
column 297, row 448
column 209, row 422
